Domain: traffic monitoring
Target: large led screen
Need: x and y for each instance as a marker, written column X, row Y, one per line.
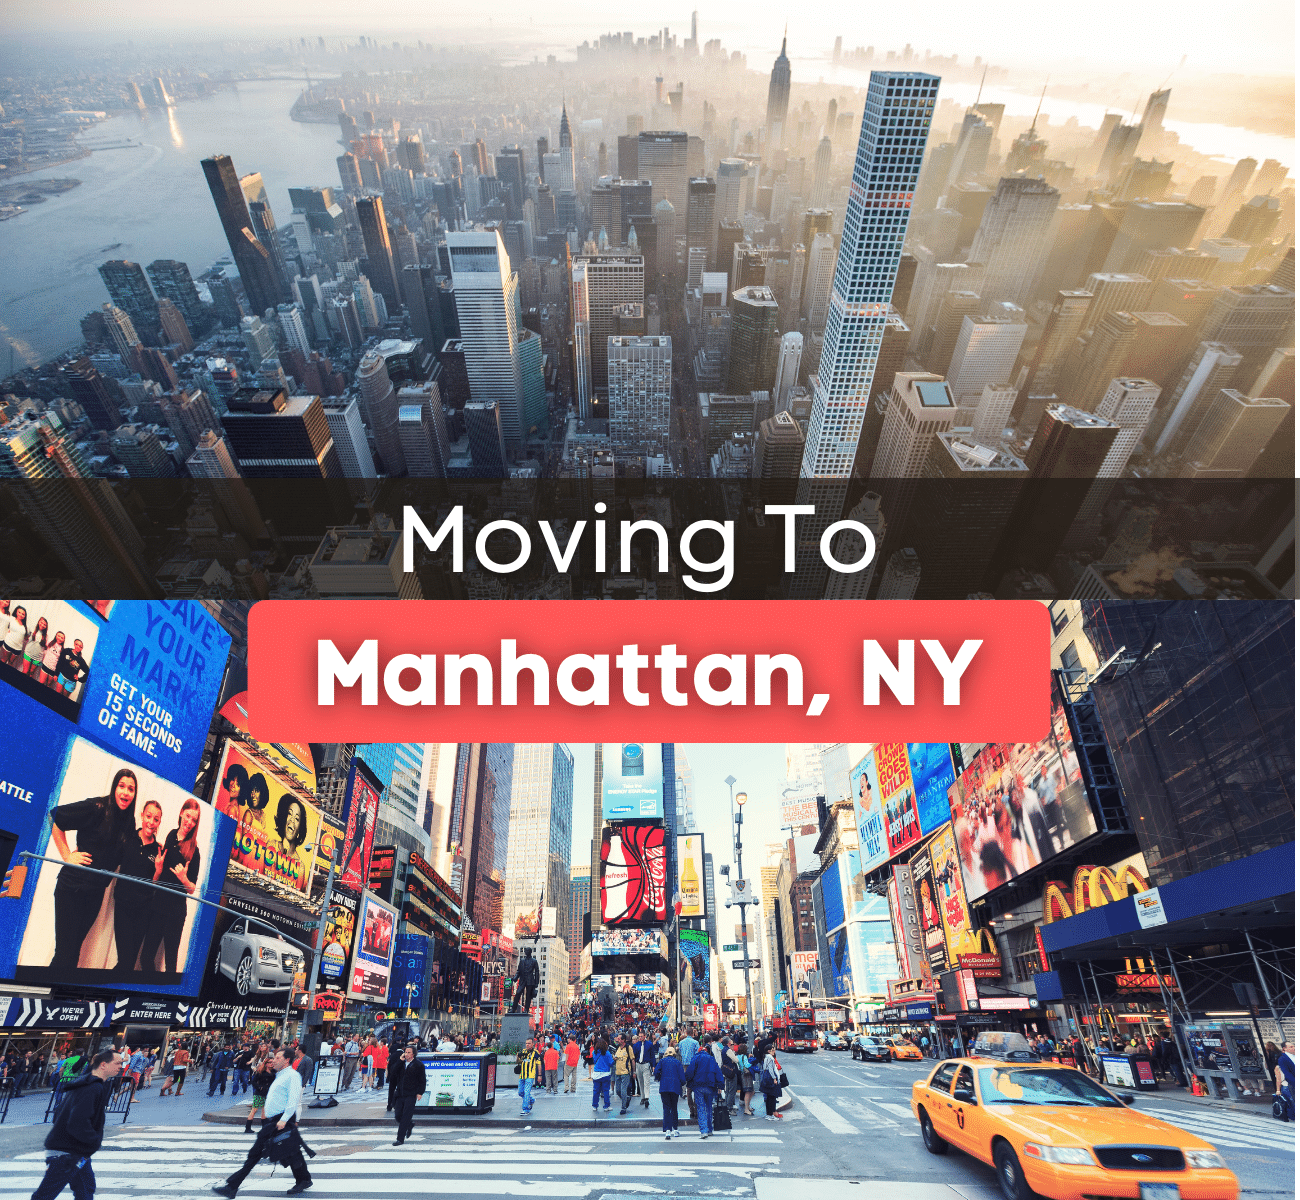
column 1018, row 805
column 633, row 867
column 632, row 781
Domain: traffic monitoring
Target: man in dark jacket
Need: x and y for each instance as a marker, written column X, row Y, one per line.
column 78, row 1130
column 411, row 1085
column 221, row 1062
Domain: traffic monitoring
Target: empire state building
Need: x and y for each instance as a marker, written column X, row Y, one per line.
column 778, row 100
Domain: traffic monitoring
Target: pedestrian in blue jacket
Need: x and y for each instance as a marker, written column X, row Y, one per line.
column 705, row 1077
column 672, row 1082
column 602, row 1067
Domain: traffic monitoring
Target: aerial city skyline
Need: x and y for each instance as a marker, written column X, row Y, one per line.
column 659, row 263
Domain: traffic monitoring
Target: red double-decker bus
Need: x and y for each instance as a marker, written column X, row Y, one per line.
column 796, row 1029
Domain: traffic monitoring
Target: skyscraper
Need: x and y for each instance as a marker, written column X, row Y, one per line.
column 172, row 279
column 755, row 320
column 541, row 829
column 275, row 437
column 602, row 283
column 661, row 158
column 349, row 432
column 421, row 445
column 640, row 391
column 379, row 403
column 579, row 907
column 920, row 406
column 778, row 100
column 1232, row 435
column 821, row 182
column 901, row 577
column 1128, row 403
column 895, row 123
column 733, row 183
column 129, row 290
column 985, row 353
column 1064, row 324
column 141, row 452
column 788, row 359
column 701, row 225
column 488, row 308
column 379, row 251
column 252, row 259
column 819, row 279
column 1012, row 238
column 778, row 449
column 487, row 445
column 1096, row 359
column 1210, row 369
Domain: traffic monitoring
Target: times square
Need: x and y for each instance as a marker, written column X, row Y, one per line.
column 887, row 948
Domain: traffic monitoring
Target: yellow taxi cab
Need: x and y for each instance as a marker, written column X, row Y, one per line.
column 900, row 1048
column 1051, row 1130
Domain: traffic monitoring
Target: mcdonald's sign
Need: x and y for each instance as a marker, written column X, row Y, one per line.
column 1092, row 887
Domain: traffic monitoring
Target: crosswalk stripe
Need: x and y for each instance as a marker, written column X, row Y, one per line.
column 440, row 1186
column 899, row 1110
column 1228, row 1128
column 824, row 1113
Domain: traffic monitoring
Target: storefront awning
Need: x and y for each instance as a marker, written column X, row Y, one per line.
column 1250, row 893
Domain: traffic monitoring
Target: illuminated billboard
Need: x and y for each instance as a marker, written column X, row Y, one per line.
column 932, row 776
column 276, row 823
column 632, row 781
column 1019, row 804
column 690, row 875
column 633, row 868
column 360, row 815
column 372, row 960
column 693, row 945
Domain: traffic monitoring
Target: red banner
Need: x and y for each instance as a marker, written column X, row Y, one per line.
column 366, row 670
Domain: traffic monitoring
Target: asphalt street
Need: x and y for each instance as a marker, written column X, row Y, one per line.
column 849, row 1126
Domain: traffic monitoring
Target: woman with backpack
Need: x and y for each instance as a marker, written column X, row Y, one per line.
column 769, row 1083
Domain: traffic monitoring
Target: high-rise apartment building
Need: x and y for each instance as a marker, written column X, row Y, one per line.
column 733, row 187
column 1211, row 368
column 380, row 269
column 640, row 391
column 488, row 309
column 253, row 261
column 788, row 358
column 819, row 279
column 601, row 284
column 421, row 444
column 173, row 280
column 1130, row 404
column 920, row 406
column 139, row 449
column 579, row 907
column 778, row 448
column 821, row 180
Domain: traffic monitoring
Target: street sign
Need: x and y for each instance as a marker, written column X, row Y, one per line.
column 733, row 948
column 739, row 964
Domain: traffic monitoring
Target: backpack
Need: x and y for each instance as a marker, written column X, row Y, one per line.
column 729, row 1068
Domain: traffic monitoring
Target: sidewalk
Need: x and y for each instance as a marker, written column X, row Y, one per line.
column 1170, row 1092
column 357, row 1109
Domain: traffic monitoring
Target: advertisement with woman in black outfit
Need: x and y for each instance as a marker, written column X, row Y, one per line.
column 93, row 929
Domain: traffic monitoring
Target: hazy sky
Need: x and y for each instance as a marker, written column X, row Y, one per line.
column 1251, row 35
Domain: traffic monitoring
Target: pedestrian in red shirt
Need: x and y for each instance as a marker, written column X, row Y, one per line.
column 551, row 1061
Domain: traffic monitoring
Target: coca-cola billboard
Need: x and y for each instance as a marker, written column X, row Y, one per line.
column 633, row 876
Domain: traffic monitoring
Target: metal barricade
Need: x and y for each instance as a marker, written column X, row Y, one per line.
column 56, row 1098
column 6, row 1094
column 119, row 1099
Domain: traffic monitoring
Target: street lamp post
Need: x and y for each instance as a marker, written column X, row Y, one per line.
column 320, row 942
column 738, row 809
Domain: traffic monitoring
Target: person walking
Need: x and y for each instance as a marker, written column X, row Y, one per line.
column 411, row 1085
column 746, row 1076
column 551, row 1062
column 705, row 1077
column 623, row 1074
column 602, row 1066
column 221, row 1061
column 379, row 1054
column 687, row 1047
column 1284, row 1078
column 368, row 1064
column 644, row 1055
column 529, row 1069
column 731, row 1073
column 351, row 1055
column 281, row 1114
column 78, row 1130
column 263, row 1075
column 672, row 1082
column 769, row 1084
column 180, row 1064
column 244, row 1069
column 572, row 1053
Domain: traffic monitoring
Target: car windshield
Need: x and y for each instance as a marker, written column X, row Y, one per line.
column 1035, row 1085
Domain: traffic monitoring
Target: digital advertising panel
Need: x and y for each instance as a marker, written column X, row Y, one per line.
column 690, row 875
column 1019, row 804
column 897, row 796
column 864, row 785
column 633, row 866
column 693, row 945
column 80, row 928
column 409, row 983
column 383, row 861
column 927, row 910
column 46, row 648
column 340, row 933
column 295, row 758
column 154, row 682
column 360, row 815
column 372, row 959
column 932, row 776
column 962, row 941
column 275, row 825
column 528, row 923
column 605, row 942
column 632, row 783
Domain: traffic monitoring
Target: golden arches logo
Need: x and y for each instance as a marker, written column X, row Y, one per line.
column 974, row 941
column 1093, row 887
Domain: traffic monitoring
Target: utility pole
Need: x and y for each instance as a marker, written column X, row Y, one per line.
column 320, row 945
column 737, row 807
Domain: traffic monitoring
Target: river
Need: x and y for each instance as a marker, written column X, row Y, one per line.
column 151, row 198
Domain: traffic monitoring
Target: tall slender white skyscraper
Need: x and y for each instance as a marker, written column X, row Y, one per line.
column 787, row 370
column 895, row 125
column 487, row 305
